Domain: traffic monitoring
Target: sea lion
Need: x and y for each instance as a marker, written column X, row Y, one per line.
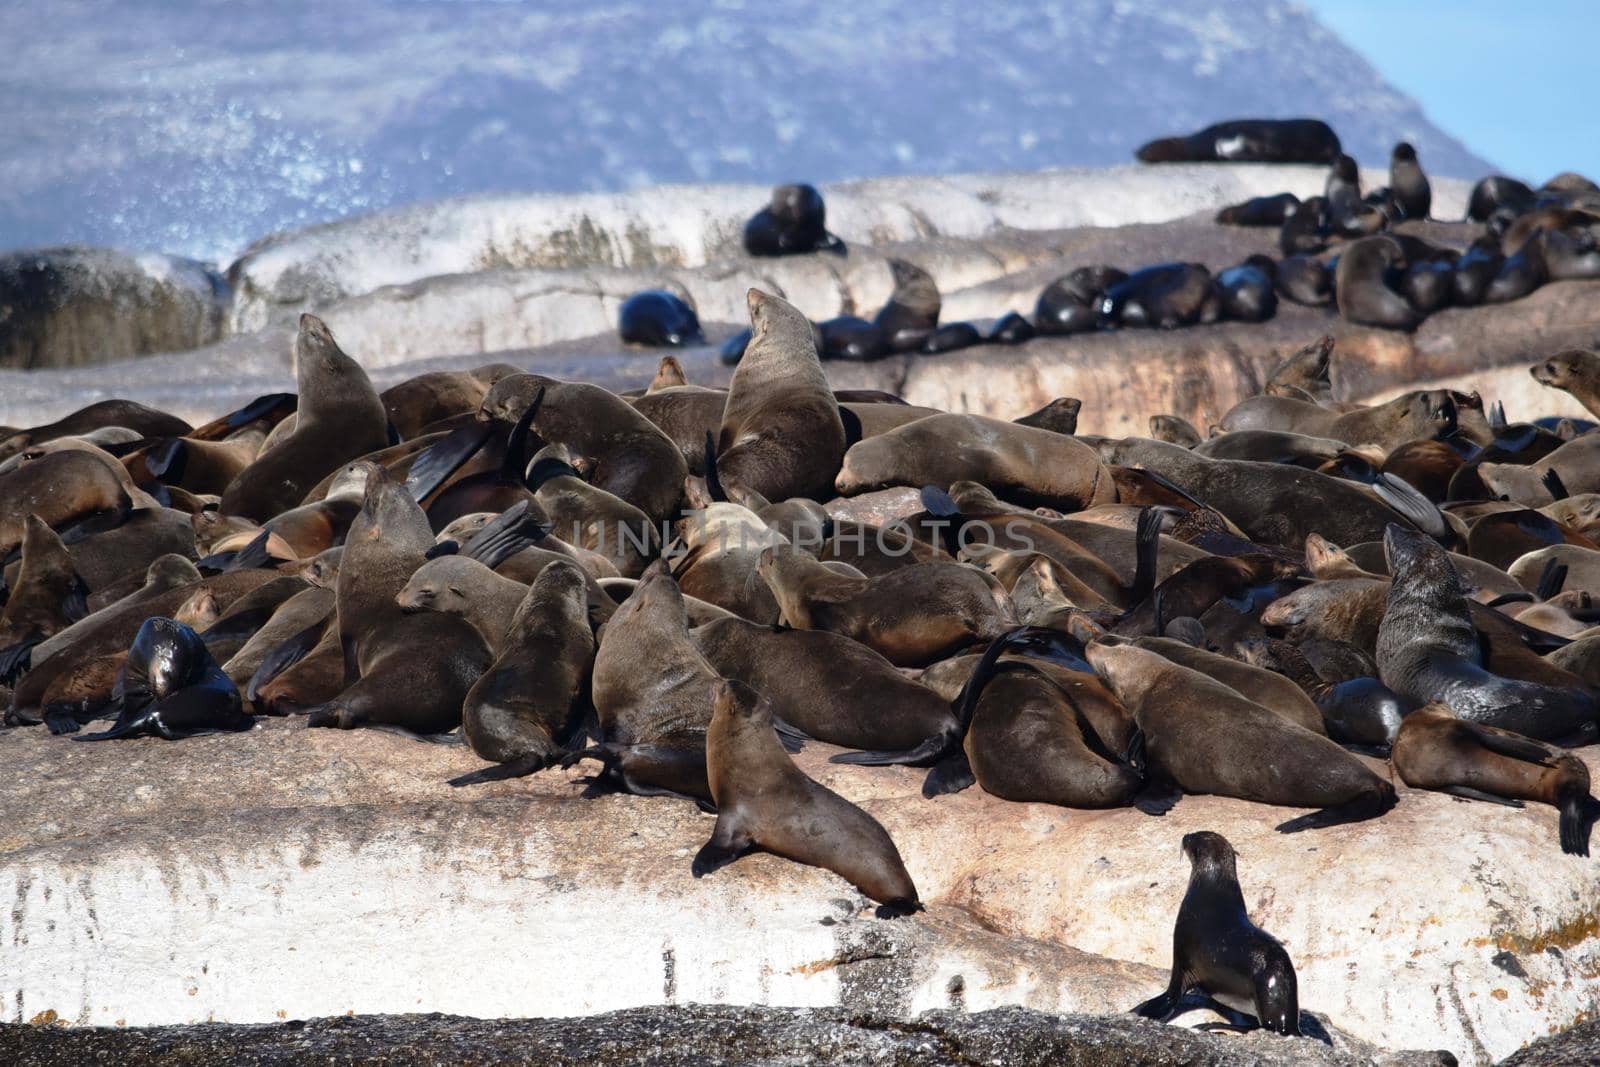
column 1248, row 141
column 1058, row 416
column 624, row 453
column 951, row 337
column 401, row 669
column 1011, row 329
column 1033, row 466
column 656, row 318
column 339, row 418
column 912, row 312
column 1428, row 650
column 1575, row 371
column 1474, row 269
column 765, row 802
column 1271, row 691
column 1413, row 416
column 1218, row 950
column 652, row 720
column 425, row 399
column 309, row 607
column 1246, row 291
column 582, row 514
column 1305, row 371
column 793, row 223
column 1259, row 211
column 1436, row 750
column 1342, row 189
column 1408, row 185
column 1355, row 711
column 1175, row 429
column 1305, row 229
column 1304, row 280
column 525, row 710
column 48, row 597
column 1071, row 303
column 853, row 338
column 61, row 488
column 1200, row 736
column 866, row 704
column 1498, row 195
column 145, row 421
column 912, row 616
column 669, row 375
column 171, row 687
column 1165, row 297
column 1520, row 273
column 1361, row 291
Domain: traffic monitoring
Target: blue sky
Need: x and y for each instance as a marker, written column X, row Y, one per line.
column 1513, row 81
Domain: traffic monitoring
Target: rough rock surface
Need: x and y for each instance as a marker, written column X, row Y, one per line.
column 69, row 306
column 290, row 873
column 693, row 1036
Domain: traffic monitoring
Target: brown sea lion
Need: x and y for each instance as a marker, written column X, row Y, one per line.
column 60, row 488
column 764, row 802
column 48, row 597
column 145, row 421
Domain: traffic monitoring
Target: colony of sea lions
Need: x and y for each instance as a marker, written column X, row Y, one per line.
column 667, row 590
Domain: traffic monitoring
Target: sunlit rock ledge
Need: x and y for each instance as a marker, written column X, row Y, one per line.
column 290, row 873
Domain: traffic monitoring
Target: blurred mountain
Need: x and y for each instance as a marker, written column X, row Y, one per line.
column 195, row 127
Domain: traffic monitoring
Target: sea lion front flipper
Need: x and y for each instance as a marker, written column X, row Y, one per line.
column 1157, row 797
column 1412, row 505
column 1368, row 805
column 1466, row 792
column 444, row 457
column 15, row 660
column 729, row 841
column 61, row 719
column 1554, row 485
column 950, row 775
column 714, row 487
column 252, row 556
column 1578, row 813
column 1147, row 546
column 1551, row 579
column 285, row 656
column 504, row 536
column 499, row 772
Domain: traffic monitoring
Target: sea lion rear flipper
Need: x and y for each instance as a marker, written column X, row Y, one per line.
column 950, row 775
column 1368, row 805
column 74, row 606
column 499, row 772
column 1578, row 813
column 1147, row 546
column 1412, row 505
column 252, row 556
column 793, row 739
column 1497, row 417
column 15, row 660
column 919, row 756
column 939, row 503
column 1551, row 579
column 126, row 726
column 1157, row 797
column 1553, row 483
column 504, row 536
column 1516, row 746
column 258, row 408
column 1466, row 792
column 444, row 457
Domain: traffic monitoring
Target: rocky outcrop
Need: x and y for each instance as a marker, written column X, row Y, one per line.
column 692, row 1036
column 63, row 307
column 290, row 873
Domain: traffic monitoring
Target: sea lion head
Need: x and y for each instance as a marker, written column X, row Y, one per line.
column 1567, row 367
column 734, row 698
column 1412, row 554
column 1404, row 153
column 774, row 319
column 444, row 584
column 168, row 651
column 1127, row 669
column 1210, row 853
column 317, row 353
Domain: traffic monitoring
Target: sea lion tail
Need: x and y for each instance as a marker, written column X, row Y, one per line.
column 713, row 479
column 1147, row 547
column 1369, row 805
column 505, row 535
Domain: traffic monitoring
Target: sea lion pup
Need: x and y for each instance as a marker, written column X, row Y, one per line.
column 669, row 375
column 793, row 222
column 781, row 433
column 145, row 421
column 622, row 451
column 1259, row 211
column 912, row 312
column 401, row 669
column 765, row 802
column 1360, row 290
column 585, row 515
column 1058, row 416
column 526, row 709
column 1034, row 467
column 48, row 597
column 171, row 687
column 1436, row 750
column 657, row 318
column 1218, row 950
column 1200, row 736
column 1357, row 711
column 867, row 703
column 912, row 616
column 652, row 693
column 1271, row 503
column 1573, row 370
column 1414, row 416
column 61, row 488
column 1176, row 430
column 1428, row 650
column 1408, row 185
column 339, row 418
column 1248, row 141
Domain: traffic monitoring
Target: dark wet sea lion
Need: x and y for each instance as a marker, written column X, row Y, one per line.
column 1305, row 229
column 171, row 687
column 1498, row 193
column 827, row 686
column 851, row 338
column 1304, row 280
column 793, row 223
column 1436, row 750
column 1361, row 289
column 781, row 434
column 1024, row 463
column 912, row 312
column 339, row 418
column 765, row 802
column 1520, row 273
column 1246, row 291
column 951, row 337
column 624, row 452
column 1071, row 303
column 1203, row 737
column 657, row 318
column 1358, row 711
column 525, row 710
column 1429, row 650
column 1408, row 185
column 1259, row 211
column 912, row 616
column 1248, row 141
column 1219, row 951
column 1011, row 329
column 1165, row 297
